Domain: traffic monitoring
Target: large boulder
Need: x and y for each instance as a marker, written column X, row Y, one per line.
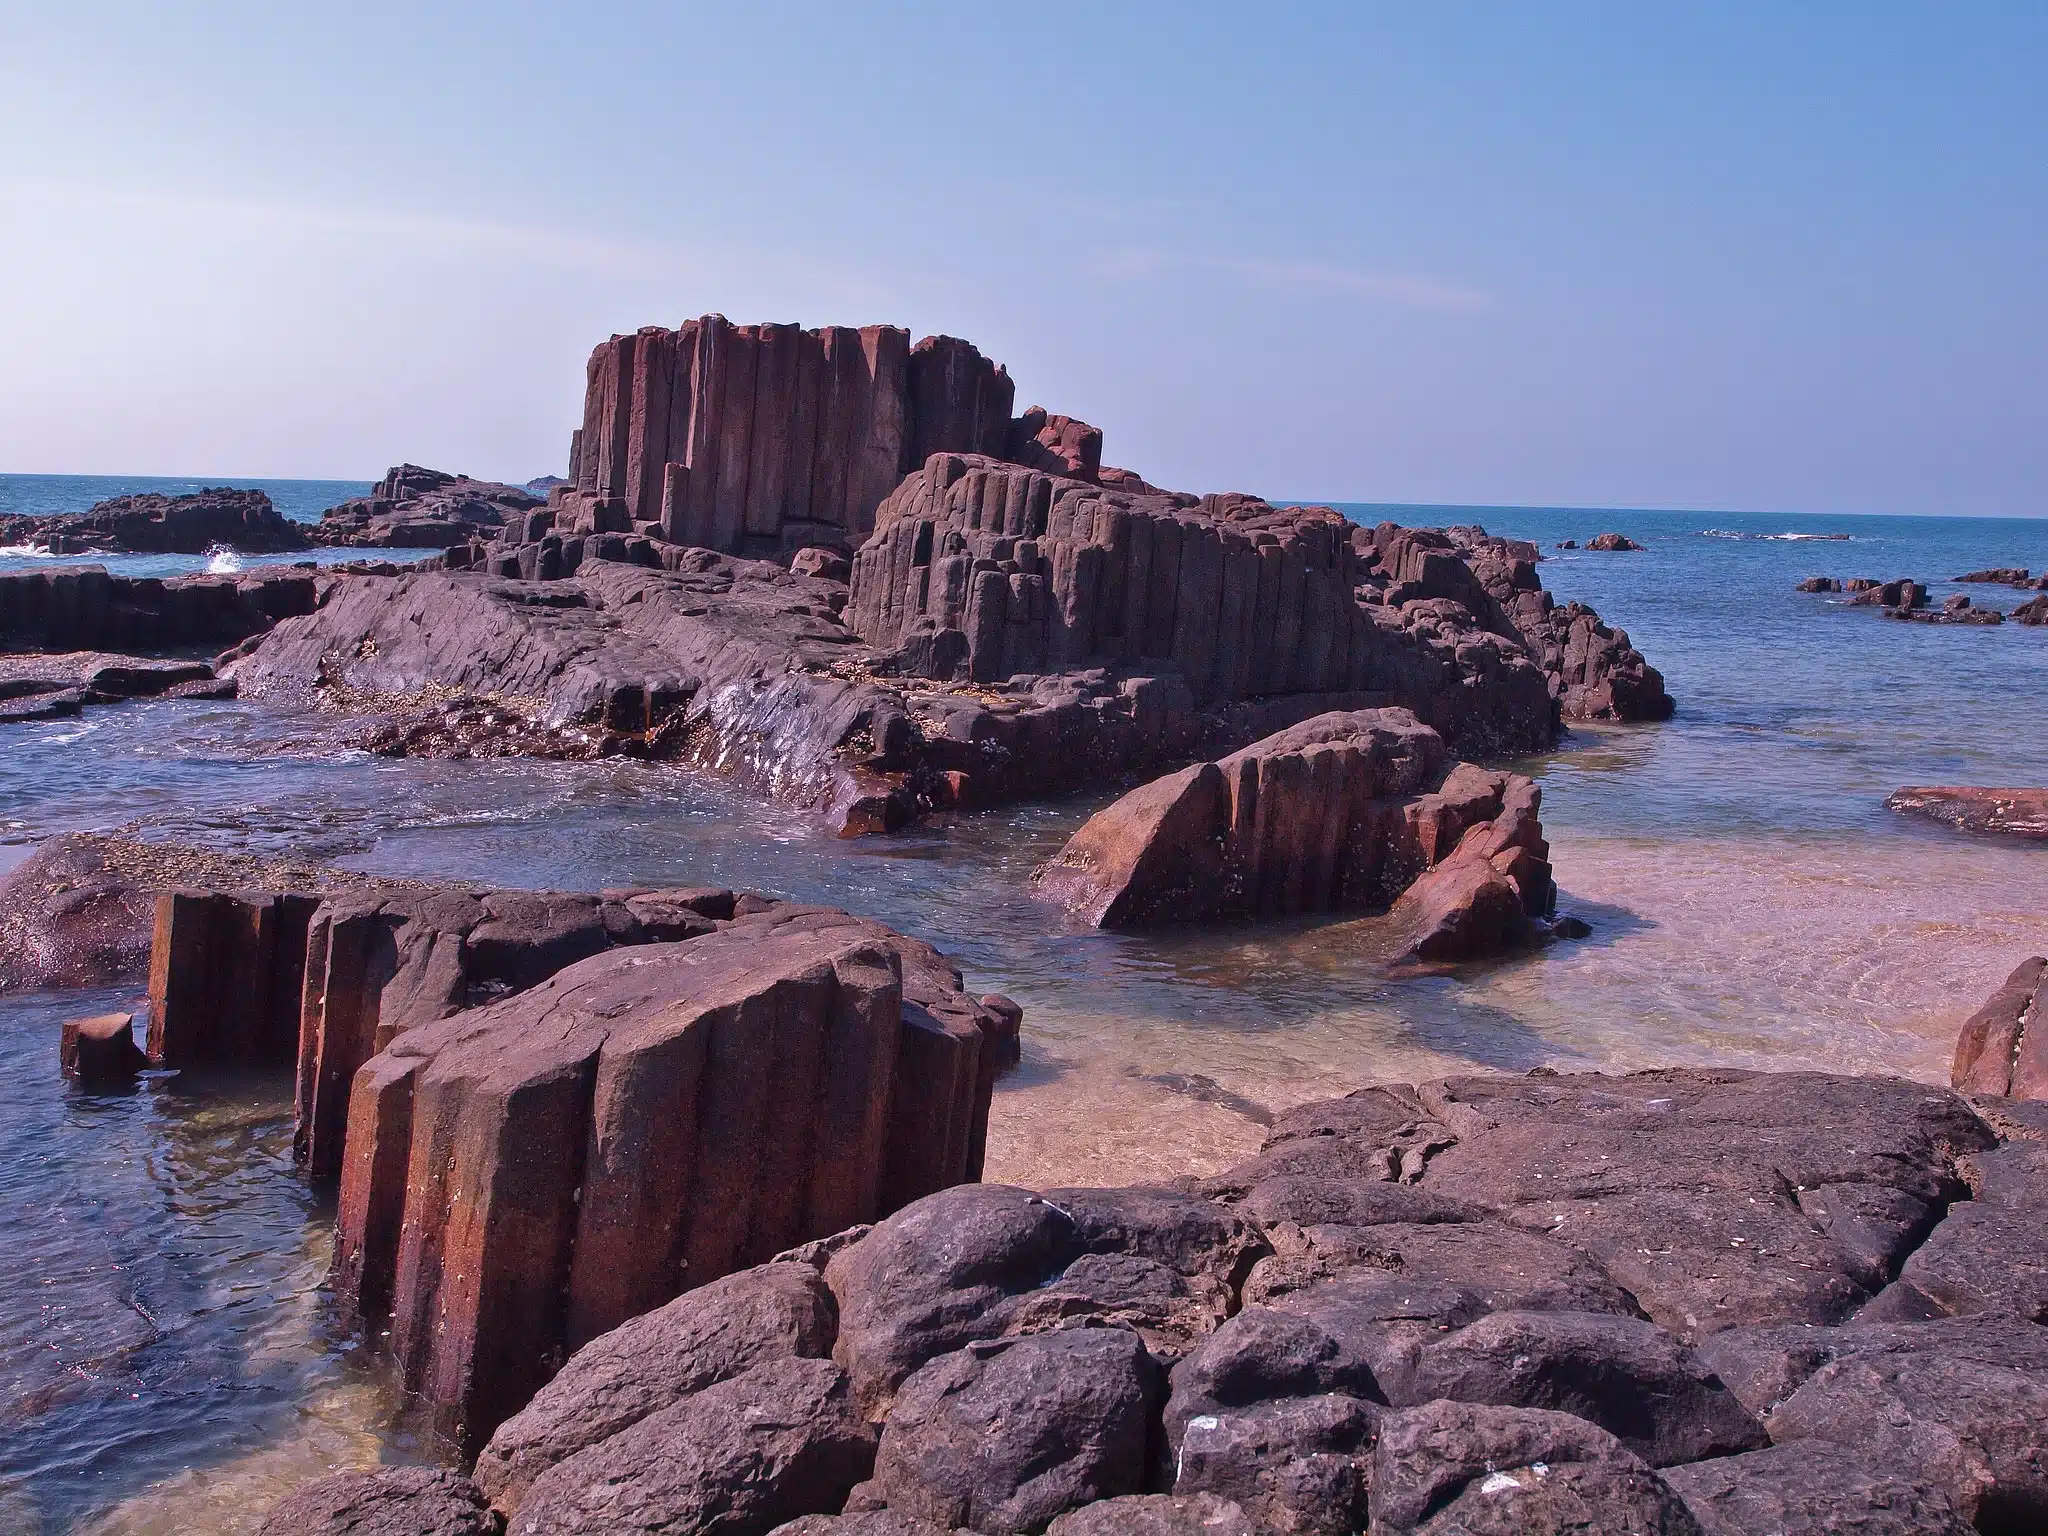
column 415, row 508
column 703, row 1337
column 1813, row 1488
column 1341, row 813
column 774, row 1443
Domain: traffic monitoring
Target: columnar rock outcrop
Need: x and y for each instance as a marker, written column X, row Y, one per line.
column 735, row 437
column 1340, row 813
column 522, row 1176
column 1675, row 1301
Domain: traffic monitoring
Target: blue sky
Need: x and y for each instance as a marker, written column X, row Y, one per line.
column 1775, row 257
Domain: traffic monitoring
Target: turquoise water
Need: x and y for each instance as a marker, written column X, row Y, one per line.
column 1752, row 903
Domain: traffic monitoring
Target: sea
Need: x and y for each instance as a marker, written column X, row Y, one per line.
column 168, row 1357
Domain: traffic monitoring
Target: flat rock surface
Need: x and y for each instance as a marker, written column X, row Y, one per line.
column 2010, row 812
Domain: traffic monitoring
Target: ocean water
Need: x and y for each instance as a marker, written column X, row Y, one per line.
column 1751, row 900
column 300, row 500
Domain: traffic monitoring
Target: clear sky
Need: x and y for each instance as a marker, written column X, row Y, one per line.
column 1780, row 257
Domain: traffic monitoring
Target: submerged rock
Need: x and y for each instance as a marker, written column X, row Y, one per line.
column 2012, row 812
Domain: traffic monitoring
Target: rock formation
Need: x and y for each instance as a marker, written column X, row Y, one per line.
column 100, row 1049
column 2003, row 576
column 1614, row 543
column 1819, row 584
column 152, row 524
column 2033, row 612
column 2001, row 1050
column 1675, row 1301
column 415, row 508
column 2012, row 812
column 1341, row 813
column 83, row 608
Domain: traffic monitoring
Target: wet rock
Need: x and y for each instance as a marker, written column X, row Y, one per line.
column 1156, row 1514
column 748, row 1454
column 81, row 608
column 154, row 524
column 1613, row 542
column 415, row 508
column 2014, row 812
column 101, row 1049
column 1902, row 593
column 703, row 1337
column 1342, row 812
column 1820, row 584
column 2002, row 576
column 2034, row 611
column 1005, row 1435
column 1453, row 1467
column 394, row 1501
column 226, row 974
column 1811, row 1488
column 2000, row 1050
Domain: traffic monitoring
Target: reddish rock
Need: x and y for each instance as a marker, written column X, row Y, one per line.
column 1341, row 813
column 2034, row 611
column 2003, row 576
column 225, row 976
column 1820, row 584
column 2013, row 812
column 83, row 608
column 101, row 1049
column 524, row 1176
column 1902, row 593
column 2000, row 1050
column 1613, row 543
column 415, row 508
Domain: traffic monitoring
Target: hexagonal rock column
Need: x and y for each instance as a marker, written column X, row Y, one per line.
column 225, row 974
column 521, row 1177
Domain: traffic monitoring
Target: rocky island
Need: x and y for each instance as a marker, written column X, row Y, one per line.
column 664, row 1203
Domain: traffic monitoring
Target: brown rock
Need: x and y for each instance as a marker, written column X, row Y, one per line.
column 703, row 1337
column 1812, row 1488
column 155, row 524
column 415, row 508
column 1820, row 584
column 1999, row 1051
column 225, row 977
column 1155, row 1514
column 751, row 1453
column 101, row 1049
column 1613, row 542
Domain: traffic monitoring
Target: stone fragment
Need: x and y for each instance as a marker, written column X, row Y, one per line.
column 1005, row 1435
column 753, row 1452
column 393, row 1501
column 225, row 978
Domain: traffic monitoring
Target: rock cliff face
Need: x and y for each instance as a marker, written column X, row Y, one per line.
column 415, row 508
column 1341, row 813
column 756, row 437
column 1675, row 1301
column 163, row 525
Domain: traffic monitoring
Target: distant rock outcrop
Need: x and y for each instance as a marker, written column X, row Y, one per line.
column 152, row 524
column 415, row 508
column 1613, row 543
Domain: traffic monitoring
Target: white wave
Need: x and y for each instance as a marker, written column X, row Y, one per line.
column 1801, row 538
column 24, row 552
column 222, row 560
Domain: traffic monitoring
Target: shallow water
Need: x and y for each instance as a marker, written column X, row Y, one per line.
column 1752, row 903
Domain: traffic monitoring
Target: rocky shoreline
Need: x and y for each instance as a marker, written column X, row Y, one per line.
column 665, row 1204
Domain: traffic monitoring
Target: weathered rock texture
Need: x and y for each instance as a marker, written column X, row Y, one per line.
column 1678, row 1302
column 1340, row 813
column 160, row 525
column 2012, row 812
column 83, row 608
column 225, row 977
column 392, row 1501
column 1614, row 543
column 415, row 508
column 81, row 911
column 100, row 1049
column 2003, row 1048
column 519, row 1177
column 759, row 437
